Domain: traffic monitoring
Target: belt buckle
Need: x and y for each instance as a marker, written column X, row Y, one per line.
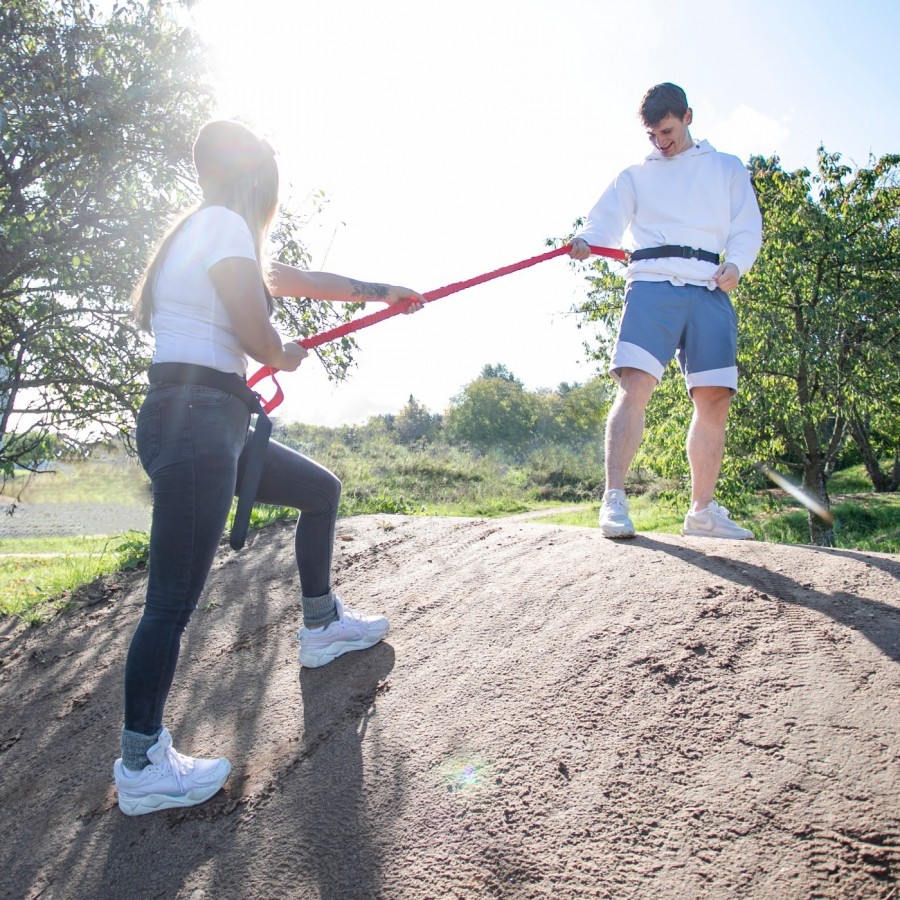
column 690, row 253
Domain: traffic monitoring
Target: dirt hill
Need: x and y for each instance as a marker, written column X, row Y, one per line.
column 552, row 715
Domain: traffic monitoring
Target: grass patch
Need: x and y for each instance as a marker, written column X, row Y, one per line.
column 869, row 523
column 852, row 480
column 54, row 545
column 35, row 584
column 261, row 515
column 117, row 481
column 647, row 513
column 436, row 480
column 38, row 576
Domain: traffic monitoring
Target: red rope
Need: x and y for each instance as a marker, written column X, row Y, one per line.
column 324, row 337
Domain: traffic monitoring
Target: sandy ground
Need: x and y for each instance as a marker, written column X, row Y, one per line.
column 552, row 715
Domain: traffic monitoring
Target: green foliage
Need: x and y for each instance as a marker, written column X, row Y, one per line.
column 300, row 317
column 95, row 138
column 133, row 549
column 573, row 415
column 496, row 412
column 414, row 423
column 358, row 503
column 381, row 475
column 649, row 514
column 98, row 112
column 441, row 480
column 41, row 575
column 563, row 476
column 820, row 321
column 501, row 371
column 601, row 309
column 112, row 475
column 850, row 480
column 26, row 452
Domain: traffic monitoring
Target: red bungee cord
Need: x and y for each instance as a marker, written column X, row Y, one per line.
column 316, row 340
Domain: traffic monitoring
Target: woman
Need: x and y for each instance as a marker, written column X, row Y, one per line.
column 207, row 296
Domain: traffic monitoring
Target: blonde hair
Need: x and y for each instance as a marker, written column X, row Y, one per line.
column 251, row 193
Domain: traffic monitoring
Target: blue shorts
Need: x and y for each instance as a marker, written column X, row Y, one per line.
column 696, row 325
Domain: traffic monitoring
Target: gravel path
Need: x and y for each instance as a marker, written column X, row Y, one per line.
column 35, row 520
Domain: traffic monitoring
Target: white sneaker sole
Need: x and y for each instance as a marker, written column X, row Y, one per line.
column 617, row 532
column 141, row 804
column 313, row 659
column 721, row 537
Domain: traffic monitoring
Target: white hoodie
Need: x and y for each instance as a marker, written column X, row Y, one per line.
column 700, row 198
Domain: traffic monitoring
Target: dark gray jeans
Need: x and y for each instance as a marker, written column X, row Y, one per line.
column 189, row 440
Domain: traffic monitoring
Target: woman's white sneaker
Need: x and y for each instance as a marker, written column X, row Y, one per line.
column 351, row 631
column 714, row 522
column 171, row 781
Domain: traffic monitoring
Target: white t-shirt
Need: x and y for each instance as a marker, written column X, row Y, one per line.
column 190, row 323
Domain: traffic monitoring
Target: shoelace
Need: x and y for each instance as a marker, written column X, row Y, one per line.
column 719, row 511
column 179, row 764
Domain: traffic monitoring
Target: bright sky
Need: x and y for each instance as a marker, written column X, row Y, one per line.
column 452, row 138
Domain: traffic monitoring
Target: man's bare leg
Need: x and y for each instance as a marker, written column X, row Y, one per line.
column 625, row 425
column 706, row 442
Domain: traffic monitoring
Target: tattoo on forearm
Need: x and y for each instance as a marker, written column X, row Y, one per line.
column 368, row 291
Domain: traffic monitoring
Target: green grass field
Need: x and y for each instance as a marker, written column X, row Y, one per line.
column 39, row 575
column 114, row 480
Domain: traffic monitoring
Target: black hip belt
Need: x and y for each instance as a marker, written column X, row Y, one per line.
column 190, row 373
column 676, row 251
column 253, row 456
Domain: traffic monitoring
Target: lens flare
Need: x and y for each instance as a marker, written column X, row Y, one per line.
column 798, row 493
column 464, row 774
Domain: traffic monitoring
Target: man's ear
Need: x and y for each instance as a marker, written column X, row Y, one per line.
column 688, row 116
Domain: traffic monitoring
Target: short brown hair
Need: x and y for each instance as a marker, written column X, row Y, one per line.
column 663, row 100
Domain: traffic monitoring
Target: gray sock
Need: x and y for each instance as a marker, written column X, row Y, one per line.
column 318, row 611
column 134, row 749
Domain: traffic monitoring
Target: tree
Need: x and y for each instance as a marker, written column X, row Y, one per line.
column 414, row 423
column 97, row 117
column 498, row 371
column 573, row 415
column 495, row 410
column 820, row 320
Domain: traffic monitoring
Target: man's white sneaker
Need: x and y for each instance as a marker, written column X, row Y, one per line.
column 614, row 520
column 170, row 781
column 351, row 631
column 714, row 522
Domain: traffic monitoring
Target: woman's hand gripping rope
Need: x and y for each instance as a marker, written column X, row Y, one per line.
column 404, row 301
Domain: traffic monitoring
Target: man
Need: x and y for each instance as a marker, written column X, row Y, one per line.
column 695, row 225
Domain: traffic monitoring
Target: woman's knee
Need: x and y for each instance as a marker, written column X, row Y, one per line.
column 331, row 488
column 170, row 617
